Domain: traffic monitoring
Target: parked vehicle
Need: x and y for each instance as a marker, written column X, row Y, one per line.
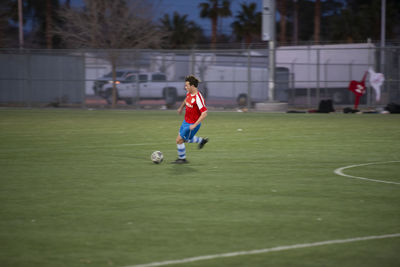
column 231, row 82
column 121, row 75
column 138, row 86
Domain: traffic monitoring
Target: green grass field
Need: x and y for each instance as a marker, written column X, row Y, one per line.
column 77, row 188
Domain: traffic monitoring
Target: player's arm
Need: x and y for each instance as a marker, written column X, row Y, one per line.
column 201, row 118
column 181, row 106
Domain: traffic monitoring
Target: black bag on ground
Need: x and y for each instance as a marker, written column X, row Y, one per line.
column 393, row 108
column 350, row 110
column 325, row 106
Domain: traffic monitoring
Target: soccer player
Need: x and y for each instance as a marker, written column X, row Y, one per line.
column 196, row 111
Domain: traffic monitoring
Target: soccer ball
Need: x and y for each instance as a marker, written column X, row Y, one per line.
column 157, row 157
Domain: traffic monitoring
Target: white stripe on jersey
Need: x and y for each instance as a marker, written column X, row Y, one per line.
column 200, row 101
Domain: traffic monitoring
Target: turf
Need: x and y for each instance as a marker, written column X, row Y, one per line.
column 77, row 188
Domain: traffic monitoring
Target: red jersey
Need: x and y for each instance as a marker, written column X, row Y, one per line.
column 195, row 105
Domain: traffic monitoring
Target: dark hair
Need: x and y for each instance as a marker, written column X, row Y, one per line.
column 192, row 80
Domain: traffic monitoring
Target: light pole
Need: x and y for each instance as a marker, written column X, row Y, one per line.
column 383, row 32
column 268, row 34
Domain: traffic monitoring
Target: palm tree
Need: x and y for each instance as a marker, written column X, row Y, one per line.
column 349, row 23
column 213, row 9
column 181, row 32
column 247, row 23
column 44, row 16
column 49, row 24
column 282, row 8
column 8, row 9
column 317, row 21
column 295, row 22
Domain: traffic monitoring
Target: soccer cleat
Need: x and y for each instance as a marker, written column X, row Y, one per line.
column 203, row 142
column 180, row 161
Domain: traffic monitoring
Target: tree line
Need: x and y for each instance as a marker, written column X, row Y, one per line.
column 138, row 24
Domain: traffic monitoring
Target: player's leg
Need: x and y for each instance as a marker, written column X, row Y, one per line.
column 180, row 143
column 197, row 139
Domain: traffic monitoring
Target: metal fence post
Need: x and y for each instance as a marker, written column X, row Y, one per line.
column 137, row 102
column 60, row 85
column 318, row 78
column 293, row 77
column 309, row 77
column 29, row 79
column 271, row 70
column 193, row 63
column 84, row 76
column 292, row 88
column 326, row 78
column 248, row 78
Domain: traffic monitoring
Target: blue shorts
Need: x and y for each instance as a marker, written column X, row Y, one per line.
column 186, row 133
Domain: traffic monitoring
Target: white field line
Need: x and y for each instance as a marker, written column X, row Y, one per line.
column 339, row 171
column 265, row 250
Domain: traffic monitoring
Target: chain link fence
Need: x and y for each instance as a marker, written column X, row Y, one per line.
column 232, row 78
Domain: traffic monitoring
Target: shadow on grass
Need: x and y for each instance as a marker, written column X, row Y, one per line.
column 181, row 169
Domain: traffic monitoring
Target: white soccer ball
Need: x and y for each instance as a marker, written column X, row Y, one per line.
column 157, row 157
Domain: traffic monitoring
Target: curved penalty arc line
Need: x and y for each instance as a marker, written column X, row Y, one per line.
column 265, row 250
column 339, row 171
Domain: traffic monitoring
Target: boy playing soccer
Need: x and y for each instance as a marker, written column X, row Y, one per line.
column 196, row 111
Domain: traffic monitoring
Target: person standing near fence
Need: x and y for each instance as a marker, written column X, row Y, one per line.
column 195, row 113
